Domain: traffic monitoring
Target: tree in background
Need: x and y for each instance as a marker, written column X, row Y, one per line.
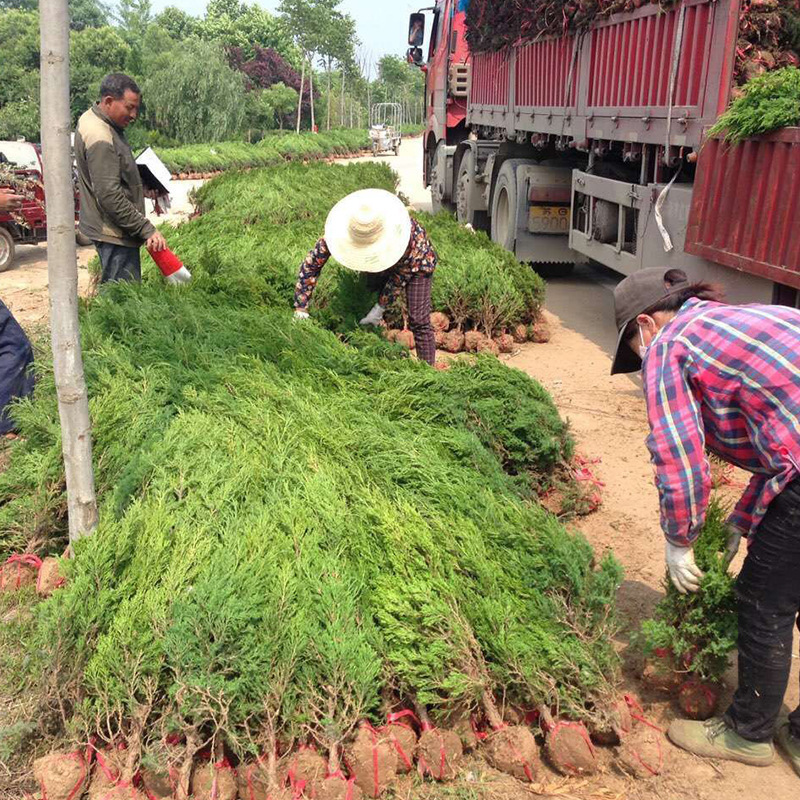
column 337, row 42
column 234, row 24
column 193, row 95
column 93, row 53
column 134, row 17
column 177, row 23
column 310, row 21
column 265, row 107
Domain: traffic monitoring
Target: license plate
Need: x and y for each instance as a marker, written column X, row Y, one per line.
column 549, row 219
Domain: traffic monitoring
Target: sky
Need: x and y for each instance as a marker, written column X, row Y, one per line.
column 382, row 25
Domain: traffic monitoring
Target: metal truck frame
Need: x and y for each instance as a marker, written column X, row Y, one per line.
column 591, row 147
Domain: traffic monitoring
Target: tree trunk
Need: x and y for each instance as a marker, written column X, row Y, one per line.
column 311, row 93
column 62, row 270
column 300, row 96
column 328, row 121
column 343, row 100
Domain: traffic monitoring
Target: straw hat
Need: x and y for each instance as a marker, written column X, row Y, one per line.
column 368, row 231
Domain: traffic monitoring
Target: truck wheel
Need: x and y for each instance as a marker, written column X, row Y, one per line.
column 438, row 203
column 505, row 205
column 465, row 212
column 7, row 250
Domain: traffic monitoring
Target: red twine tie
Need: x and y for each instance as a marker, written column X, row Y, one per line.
column 20, row 560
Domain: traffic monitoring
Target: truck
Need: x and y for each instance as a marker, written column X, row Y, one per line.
column 591, row 146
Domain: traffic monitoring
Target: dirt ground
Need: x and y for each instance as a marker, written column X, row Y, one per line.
column 607, row 418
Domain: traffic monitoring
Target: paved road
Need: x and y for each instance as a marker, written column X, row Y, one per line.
column 584, row 301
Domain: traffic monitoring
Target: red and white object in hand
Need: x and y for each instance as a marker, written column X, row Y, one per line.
column 171, row 266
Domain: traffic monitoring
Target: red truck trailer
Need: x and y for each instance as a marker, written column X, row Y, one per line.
column 591, row 146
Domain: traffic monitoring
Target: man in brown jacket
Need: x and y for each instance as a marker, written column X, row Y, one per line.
column 112, row 196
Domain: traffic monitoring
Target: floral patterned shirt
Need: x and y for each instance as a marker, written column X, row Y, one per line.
column 419, row 258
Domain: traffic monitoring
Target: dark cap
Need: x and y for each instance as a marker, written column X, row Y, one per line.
column 633, row 296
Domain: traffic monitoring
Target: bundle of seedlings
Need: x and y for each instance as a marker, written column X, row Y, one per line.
column 273, row 150
column 292, row 527
column 689, row 640
column 767, row 102
column 496, row 24
column 768, row 38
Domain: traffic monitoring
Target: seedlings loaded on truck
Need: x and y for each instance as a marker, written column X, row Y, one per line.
column 576, row 131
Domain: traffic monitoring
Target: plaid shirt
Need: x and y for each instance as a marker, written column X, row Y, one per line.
column 727, row 379
column 419, row 258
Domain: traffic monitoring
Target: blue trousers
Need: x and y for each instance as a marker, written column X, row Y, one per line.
column 16, row 359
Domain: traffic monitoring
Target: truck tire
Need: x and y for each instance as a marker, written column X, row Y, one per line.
column 438, row 203
column 465, row 212
column 7, row 250
column 505, row 205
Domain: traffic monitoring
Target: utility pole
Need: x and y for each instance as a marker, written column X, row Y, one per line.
column 62, row 270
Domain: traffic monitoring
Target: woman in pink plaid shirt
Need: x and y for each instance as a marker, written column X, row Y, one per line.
column 726, row 379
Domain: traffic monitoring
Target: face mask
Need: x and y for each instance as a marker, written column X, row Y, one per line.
column 642, row 345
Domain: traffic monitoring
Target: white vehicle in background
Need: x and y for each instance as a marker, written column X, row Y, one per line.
column 385, row 127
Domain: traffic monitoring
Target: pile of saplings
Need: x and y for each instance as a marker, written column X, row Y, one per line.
column 319, row 564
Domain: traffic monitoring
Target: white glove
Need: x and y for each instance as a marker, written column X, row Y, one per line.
column 685, row 574
column 181, row 276
column 375, row 315
column 300, row 314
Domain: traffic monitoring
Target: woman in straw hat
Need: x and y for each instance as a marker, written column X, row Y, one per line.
column 371, row 231
column 726, row 378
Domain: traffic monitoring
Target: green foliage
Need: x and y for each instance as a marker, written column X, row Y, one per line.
column 193, row 95
column 292, row 528
column 770, row 101
column 699, row 629
column 270, row 151
column 93, row 53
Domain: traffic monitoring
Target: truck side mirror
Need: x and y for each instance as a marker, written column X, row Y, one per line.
column 414, row 56
column 416, row 29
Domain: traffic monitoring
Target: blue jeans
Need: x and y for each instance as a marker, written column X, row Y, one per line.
column 119, row 263
column 768, row 591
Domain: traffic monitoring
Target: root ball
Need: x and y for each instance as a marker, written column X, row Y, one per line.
column 439, row 338
column 335, row 788
column 440, row 321
column 106, row 773
column 472, row 340
column 641, row 753
column 14, row 575
column 569, row 749
column 405, row 338
column 520, row 333
column 49, row 578
column 487, row 345
column 306, row 765
column 215, row 782
column 439, row 754
column 698, row 700
column 619, row 724
column 372, row 761
column 659, row 673
column 505, row 341
column 404, row 740
column 540, row 332
column 513, row 750
column 453, row 342
column 61, row 776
